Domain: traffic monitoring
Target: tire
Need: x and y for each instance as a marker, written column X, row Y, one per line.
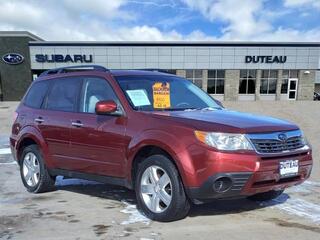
column 266, row 196
column 178, row 206
column 41, row 181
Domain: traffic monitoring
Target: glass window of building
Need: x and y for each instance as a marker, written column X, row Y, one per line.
column 216, row 81
column 195, row 75
column 286, row 74
column 268, row 83
column 247, row 84
column 1, row 92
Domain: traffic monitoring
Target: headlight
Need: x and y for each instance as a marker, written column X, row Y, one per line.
column 224, row 141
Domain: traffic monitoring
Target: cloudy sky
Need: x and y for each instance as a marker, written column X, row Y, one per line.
column 156, row 20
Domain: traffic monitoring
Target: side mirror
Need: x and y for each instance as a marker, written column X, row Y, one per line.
column 106, row 107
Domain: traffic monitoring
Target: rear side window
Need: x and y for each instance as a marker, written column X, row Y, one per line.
column 36, row 94
column 63, row 95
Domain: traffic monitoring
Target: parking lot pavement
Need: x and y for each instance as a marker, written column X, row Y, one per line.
column 80, row 209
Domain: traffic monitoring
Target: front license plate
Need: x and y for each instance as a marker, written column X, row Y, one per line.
column 289, row 168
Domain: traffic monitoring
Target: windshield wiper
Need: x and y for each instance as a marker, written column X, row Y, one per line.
column 210, row 108
column 192, row 109
column 177, row 109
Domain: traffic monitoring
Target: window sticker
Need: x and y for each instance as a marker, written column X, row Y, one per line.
column 139, row 97
column 161, row 95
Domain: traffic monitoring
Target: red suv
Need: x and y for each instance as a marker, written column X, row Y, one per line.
column 155, row 133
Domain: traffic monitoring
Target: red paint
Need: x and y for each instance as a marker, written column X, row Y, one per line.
column 105, row 107
column 107, row 145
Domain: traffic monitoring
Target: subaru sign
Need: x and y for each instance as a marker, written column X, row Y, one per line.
column 13, row 58
column 59, row 58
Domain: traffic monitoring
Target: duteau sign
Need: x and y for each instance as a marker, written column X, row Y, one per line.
column 266, row 59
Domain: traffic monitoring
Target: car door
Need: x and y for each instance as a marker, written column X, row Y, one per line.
column 98, row 142
column 55, row 120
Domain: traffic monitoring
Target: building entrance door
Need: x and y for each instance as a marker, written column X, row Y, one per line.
column 292, row 88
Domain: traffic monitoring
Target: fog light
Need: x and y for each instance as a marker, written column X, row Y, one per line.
column 222, row 184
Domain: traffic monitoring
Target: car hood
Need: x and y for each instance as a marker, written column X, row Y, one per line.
column 228, row 121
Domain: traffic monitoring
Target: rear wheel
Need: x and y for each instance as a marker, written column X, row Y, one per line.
column 33, row 171
column 266, row 195
column 159, row 190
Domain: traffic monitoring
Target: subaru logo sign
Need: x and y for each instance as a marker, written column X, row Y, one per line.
column 282, row 137
column 13, row 58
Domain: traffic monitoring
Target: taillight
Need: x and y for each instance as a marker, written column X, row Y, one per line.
column 15, row 116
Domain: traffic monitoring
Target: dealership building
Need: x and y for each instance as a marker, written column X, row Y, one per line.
column 231, row 71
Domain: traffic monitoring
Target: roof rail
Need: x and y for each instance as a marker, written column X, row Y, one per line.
column 153, row 70
column 65, row 69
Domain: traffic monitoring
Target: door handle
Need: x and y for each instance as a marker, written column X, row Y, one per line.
column 39, row 120
column 77, row 124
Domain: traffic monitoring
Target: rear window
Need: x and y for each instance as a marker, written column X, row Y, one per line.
column 63, row 95
column 36, row 94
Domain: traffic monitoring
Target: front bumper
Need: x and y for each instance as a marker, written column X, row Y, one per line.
column 245, row 184
column 247, row 174
column 210, row 190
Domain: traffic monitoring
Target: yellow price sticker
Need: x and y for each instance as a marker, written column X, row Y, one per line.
column 161, row 95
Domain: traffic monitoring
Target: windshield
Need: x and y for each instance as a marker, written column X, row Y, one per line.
column 164, row 93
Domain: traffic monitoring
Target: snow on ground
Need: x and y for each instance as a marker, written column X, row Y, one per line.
column 9, row 163
column 5, row 151
column 135, row 216
column 61, row 181
column 301, row 208
column 294, row 205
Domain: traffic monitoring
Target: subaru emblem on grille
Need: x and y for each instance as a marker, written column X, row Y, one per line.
column 282, row 137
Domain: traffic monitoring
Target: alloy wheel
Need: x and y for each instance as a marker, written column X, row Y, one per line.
column 31, row 169
column 156, row 189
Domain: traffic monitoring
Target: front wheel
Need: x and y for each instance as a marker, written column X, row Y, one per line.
column 266, row 195
column 159, row 190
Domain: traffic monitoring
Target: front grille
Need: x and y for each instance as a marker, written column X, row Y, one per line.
column 276, row 146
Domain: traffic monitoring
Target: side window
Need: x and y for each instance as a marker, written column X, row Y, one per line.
column 36, row 94
column 95, row 90
column 63, row 95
